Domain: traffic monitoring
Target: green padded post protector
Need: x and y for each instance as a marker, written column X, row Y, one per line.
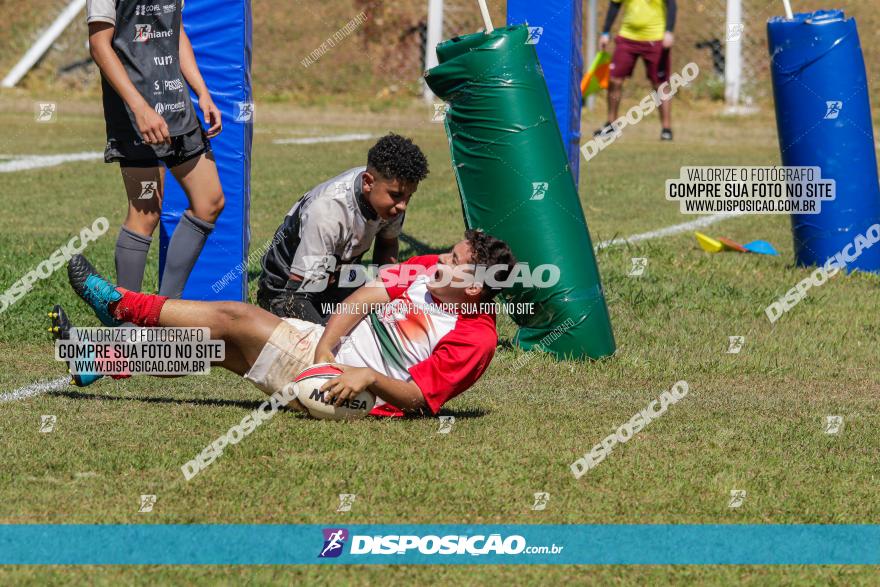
column 515, row 183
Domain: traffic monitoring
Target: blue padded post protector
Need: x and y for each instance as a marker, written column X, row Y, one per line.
column 221, row 36
column 823, row 115
column 556, row 28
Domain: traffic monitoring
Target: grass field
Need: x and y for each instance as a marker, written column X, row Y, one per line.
column 752, row 420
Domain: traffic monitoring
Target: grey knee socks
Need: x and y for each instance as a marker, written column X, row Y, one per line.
column 186, row 244
column 131, row 258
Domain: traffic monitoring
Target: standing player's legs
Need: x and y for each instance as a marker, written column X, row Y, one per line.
column 657, row 66
column 199, row 179
column 144, row 187
column 615, row 92
column 622, row 63
column 665, row 112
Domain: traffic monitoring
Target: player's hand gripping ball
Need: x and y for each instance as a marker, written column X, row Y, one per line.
column 308, row 391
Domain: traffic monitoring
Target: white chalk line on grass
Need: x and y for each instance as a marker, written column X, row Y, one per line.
column 34, row 389
column 26, row 162
column 327, row 139
column 669, row 230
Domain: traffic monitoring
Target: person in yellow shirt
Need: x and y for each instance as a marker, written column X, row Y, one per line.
column 646, row 32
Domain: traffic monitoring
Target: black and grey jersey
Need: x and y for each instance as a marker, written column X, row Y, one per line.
column 147, row 41
column 330, row 220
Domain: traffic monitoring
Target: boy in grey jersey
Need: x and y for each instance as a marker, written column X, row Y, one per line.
column 334, row 224
column 146, row 63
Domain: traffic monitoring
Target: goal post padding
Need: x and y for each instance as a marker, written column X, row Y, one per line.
column 557, row 33
column 221, row 39
column 823, row 117
column 515, row 183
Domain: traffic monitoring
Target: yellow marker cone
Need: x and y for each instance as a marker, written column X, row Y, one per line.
column 708, row 244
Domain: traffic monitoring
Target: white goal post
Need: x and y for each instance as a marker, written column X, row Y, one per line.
column 43, row 43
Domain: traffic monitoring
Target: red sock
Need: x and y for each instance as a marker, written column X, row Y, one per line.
column 139, row 308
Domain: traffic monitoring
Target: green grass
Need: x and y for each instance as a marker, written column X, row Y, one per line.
column 752, row 421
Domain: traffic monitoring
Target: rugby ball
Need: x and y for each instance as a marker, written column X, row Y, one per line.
column 308, row 391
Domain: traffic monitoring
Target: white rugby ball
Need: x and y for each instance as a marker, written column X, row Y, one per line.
column 308, row 391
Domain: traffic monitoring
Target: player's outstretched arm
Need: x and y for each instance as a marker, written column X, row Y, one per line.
column 363, row 301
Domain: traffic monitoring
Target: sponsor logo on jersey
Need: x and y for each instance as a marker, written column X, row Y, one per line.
column 163, row 60
column 147, row 9
column 168, row 85
column 145, row 32
column 154, row 9
column 163, row 107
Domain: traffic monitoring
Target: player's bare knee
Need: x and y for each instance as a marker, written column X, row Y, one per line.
column 143, row 223
column 224, row 317
column 233, row 312
column 209, row 208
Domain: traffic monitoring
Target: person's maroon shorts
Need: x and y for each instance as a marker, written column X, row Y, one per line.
column 627, row 52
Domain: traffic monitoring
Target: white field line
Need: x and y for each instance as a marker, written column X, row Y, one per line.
column 37, row 388
column 669, row 230
column 326, row 139
column 25, row 162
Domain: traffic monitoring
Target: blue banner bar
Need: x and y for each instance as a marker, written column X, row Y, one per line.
column 439, row 544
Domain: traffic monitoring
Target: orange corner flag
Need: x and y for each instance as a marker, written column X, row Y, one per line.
column 597, row 76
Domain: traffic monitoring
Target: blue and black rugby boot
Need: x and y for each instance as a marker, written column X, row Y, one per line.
column 60, row 330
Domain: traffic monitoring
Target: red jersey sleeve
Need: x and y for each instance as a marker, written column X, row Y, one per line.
column 458, row 361
column 398, row 278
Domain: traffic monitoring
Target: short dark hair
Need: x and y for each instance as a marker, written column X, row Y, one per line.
column 486, row 250
column 397, row 157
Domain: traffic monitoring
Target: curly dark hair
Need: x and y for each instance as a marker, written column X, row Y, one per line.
column 397, row 157
column 488, row 251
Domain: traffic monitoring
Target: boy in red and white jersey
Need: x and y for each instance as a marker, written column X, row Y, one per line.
column 416, row 338
column 430, row 331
